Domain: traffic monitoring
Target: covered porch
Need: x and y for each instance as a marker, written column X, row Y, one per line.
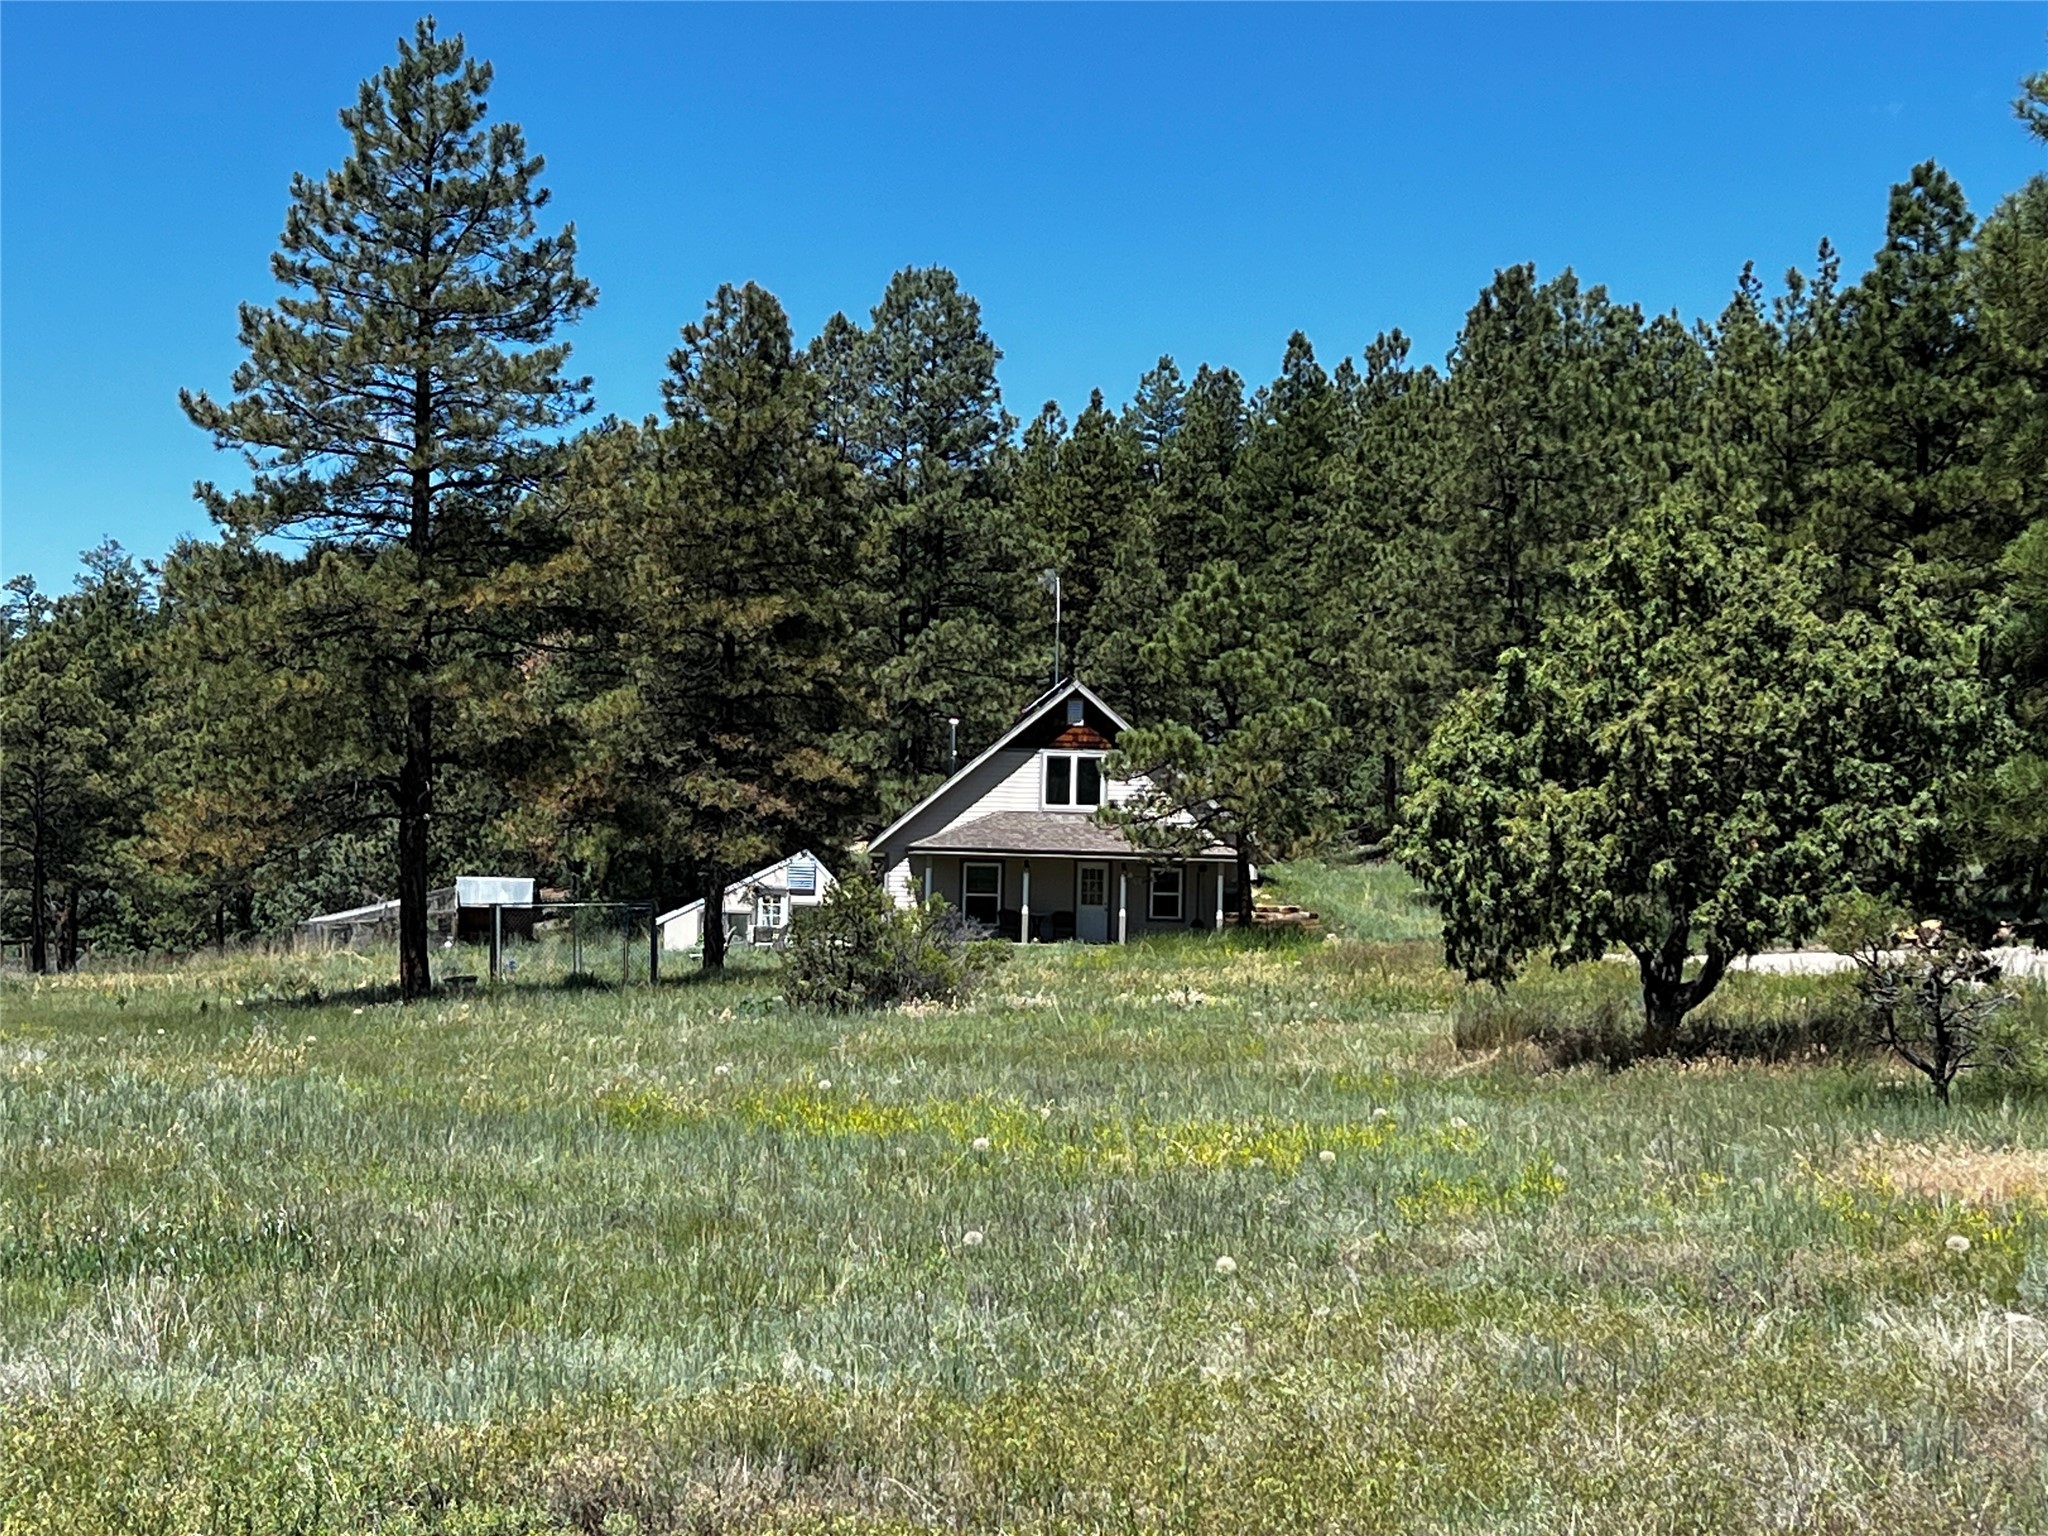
column 1103, row 891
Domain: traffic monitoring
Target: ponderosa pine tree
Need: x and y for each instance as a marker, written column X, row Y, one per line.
column 1224, row 760
column 948, row 564
column 1916, row 411
column 395, row 401
column 713, row 549
column 1376, row 588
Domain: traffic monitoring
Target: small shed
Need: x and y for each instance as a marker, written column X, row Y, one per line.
column 756, row 910
column 458, row 912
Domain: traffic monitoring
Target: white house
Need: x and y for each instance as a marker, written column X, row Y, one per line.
column 757, row 909
column 1012, row 841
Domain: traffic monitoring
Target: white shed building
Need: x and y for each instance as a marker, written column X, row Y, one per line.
column 757, row 909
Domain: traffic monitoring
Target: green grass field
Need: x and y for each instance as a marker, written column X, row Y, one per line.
column 1206, row 1235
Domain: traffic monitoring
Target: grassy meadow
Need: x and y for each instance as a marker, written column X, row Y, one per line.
column 1212, row 1234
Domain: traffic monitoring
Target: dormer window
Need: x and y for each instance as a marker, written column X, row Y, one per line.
column 1077, row 712
column 1073, row 780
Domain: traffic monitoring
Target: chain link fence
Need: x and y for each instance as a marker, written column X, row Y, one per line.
column 572, row 943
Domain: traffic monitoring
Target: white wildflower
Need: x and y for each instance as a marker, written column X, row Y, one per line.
column 723, row 1069
column 981, row 1143
column 1258, row 1162
column 1226, row 1265
column 971, row 1238
column 1957, row 1243
column 1458, row 1123
column 824, row 1085
column 1326, row 1157
column 353, row 1012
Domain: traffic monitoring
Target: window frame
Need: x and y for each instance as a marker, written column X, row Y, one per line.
column 1073, row 802
column 967, row 867
column 1178, row 894
column 771, row 909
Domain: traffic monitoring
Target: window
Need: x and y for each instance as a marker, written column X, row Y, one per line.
column 1094, row 885
column 981, row 891
column 768, row 910
column 1077, row 712
column 1073, row 779
column 1166, row 894
column 1059, row 780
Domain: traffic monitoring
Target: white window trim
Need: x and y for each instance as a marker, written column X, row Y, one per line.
column 1178, row 894
column 994, row 864
column 771, row 910
column 1073, row 781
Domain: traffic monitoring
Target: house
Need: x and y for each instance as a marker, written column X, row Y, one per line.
column 757, row 909
column 464, row 911
column 1012, row 839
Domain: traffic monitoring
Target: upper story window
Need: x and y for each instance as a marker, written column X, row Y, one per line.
column 1073, row 779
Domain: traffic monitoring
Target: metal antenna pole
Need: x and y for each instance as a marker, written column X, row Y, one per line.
column 1051, row 579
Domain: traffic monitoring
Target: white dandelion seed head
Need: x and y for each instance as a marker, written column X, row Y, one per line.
column 353, row 1012
column 1458, row 1123
column 981, row 1143
column 824, row 1085
column 1326, row 1157
column 972, row 1238
column 1557, row 1171
column 312, row 1039
column 1957, row 1243
column 1226, row 1265
column 723, row 1069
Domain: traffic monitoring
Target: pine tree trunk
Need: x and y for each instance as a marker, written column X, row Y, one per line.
column 714, row 922
column 415, row 808
column 67, row 932
column 1244, row 884
column 38, row 908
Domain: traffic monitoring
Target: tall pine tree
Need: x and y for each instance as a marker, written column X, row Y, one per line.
column 395, row 401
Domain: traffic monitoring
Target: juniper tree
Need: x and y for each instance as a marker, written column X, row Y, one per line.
column 1694, row 760
column 396, row 402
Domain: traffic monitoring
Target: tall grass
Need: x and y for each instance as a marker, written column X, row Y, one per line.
column 678, row 1259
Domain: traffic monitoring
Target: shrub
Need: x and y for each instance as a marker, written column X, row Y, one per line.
column 1592, row 1015
column 858, row 949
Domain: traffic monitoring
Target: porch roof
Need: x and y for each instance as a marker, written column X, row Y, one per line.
column 1063, row 834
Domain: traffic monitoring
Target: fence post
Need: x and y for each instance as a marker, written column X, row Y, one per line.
column 625, row 955
column 653, row 945
column 497, row 938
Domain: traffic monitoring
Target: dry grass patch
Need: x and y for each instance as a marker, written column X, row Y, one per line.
column 1952, row 1169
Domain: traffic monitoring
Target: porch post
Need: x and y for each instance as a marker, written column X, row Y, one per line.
column 1123, row 880
column 927, row 879
column 1024, row 907
column 1216, row 872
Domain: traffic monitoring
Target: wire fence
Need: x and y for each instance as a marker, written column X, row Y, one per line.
column 570, row 943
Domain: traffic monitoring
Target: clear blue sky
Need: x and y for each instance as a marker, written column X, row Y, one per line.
column 1111, row 183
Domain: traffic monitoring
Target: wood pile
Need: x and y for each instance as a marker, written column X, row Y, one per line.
column 1278, row 916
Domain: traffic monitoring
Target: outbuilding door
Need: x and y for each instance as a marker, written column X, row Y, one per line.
column 1091, row 903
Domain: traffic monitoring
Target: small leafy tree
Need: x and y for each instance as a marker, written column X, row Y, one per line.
column 1695, row 760
column 1929, row 993
column 858, row 949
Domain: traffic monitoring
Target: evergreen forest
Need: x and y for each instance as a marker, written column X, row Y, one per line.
column 1762, row 594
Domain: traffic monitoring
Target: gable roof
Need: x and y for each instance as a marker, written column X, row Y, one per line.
column 1033, row 713
column 822, row 880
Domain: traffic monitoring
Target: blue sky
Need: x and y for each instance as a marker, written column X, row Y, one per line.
column 1111, row 183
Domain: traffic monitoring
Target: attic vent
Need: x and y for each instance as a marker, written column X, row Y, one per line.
column 803, row 876
column 1076, row 711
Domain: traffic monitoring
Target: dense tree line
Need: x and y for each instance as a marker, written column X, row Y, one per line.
column 441, row 630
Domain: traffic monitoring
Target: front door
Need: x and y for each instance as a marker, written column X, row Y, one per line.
column 1091, row 903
